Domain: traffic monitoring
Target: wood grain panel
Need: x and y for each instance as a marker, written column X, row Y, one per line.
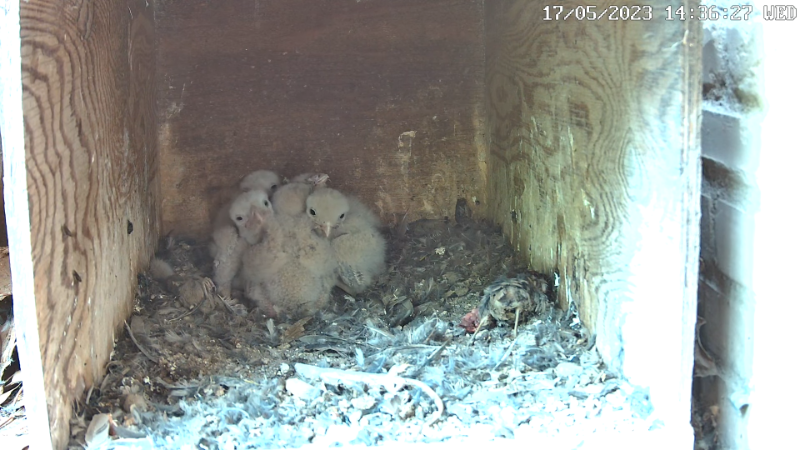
column 88, row 74
column 304, row 85
column 593, row 173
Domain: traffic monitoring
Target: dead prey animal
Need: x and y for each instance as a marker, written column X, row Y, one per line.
column 507, row 298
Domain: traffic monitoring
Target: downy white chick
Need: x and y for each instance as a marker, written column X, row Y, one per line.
column 226, row 247
column 358, row 246
column 290, row 199
column 290, row 270
column 262, row 180
column 249, row 212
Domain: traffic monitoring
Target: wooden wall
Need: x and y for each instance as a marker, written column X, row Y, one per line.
column 592, row 165
column 594, row 172
column 88, row 86
column 385, row 96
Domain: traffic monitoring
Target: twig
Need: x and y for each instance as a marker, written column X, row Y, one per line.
column 224, row 301
column 89, row 395
column 135, row 342
column 7, row 421
column 405, row 347
column 18, row 414
column 330, row 338
column 430, row 335
column 189, row 312
column 160, row 381
column 433, row 356
column 390, row 382
column 483, row 321
column 438, row 351
column 505, row 355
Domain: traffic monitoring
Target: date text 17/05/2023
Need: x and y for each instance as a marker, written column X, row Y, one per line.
column 645, row 12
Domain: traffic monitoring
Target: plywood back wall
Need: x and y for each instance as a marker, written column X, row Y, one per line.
column 594, row 173
column 384, row 96
column 88, row 80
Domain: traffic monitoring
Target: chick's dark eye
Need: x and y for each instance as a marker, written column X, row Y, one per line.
column 274, row 186
column 342, row 216
column 238, row 218
column 266, row 203
column 312, row 212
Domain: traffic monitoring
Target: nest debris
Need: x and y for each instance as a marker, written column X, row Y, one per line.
column 394, row 364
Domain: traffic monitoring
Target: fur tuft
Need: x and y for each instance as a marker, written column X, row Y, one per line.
column 160, row 269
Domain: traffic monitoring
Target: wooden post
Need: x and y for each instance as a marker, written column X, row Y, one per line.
column 81, row 189
column 15, row 196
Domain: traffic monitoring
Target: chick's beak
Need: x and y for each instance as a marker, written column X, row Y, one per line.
column 254, row 220
column 326, row 228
